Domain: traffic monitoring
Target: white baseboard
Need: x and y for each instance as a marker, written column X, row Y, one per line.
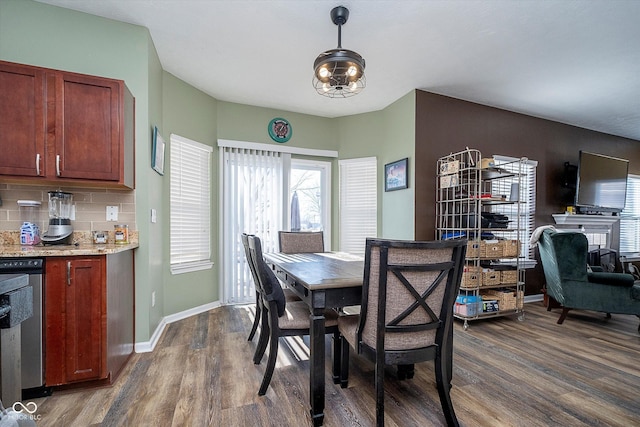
column 148, row 346
column 533, row 298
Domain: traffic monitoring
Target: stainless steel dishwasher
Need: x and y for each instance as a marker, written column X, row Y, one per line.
column 32, row 329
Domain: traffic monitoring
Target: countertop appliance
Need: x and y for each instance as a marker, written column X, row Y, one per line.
column 60, row 229
column 31, row 336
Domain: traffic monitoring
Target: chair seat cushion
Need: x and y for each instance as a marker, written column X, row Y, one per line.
column 296, row 316
column 635, row 290
column 348, row 326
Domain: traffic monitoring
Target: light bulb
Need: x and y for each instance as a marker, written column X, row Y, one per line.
column 353, row 86
column 325, row 87
column 323, row 72
column 352, row 71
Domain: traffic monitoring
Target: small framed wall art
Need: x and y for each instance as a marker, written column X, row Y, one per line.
column 395, row 175
column 157, row 152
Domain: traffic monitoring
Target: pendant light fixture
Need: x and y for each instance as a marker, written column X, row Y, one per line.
column 339, row 73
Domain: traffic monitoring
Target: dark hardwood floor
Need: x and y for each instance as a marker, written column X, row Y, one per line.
column 585, row 372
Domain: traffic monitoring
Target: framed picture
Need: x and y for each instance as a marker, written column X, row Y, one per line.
column 395, row 175
column 157, row 152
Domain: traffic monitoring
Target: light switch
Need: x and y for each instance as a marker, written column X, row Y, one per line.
column 154, row 216
column 112, row 213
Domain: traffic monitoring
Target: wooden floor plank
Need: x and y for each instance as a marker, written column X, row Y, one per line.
column 509, row 373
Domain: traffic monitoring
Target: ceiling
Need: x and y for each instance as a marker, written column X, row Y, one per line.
column 575, row 62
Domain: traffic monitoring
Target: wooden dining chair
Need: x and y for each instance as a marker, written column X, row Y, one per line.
column 281, row 318
column 408, row 294
column 288, row 293
column 293, row 242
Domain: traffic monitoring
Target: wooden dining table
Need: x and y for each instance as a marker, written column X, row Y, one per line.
column 322, row 280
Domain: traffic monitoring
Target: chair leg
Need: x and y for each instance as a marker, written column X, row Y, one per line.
column 256, row 320
column 379, row 393
column 406, row 372
column 344, row 362
column 271, row 364
column 563, row 315
column 337, row 352
column 265, row 331
column 444, row 386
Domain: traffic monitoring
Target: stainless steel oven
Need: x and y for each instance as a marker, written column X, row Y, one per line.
column 32, row 329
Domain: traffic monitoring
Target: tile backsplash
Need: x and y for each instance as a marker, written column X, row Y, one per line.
column 90, row 206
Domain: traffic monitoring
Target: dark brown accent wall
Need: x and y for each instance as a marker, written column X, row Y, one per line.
column 445, row 125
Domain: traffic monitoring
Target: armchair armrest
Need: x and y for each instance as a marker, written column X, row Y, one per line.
column 613, row 279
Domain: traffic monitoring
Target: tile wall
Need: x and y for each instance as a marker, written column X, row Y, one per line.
column 90, row 205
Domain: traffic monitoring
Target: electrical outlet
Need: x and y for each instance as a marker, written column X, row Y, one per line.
column 153, row 299
column 154, row 216
column 112, row 213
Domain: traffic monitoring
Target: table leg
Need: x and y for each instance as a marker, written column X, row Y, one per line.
column 316, row 362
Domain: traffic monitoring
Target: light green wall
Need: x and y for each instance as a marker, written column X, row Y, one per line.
column 247, row 123
column 388, row 135
column 189, row 113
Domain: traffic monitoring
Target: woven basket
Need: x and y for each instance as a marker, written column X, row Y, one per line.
column 506, row 298
column 491, row 249
column 471, row 279
column 473, row 249
column 490, row 278
column 511, row 248
column 509, row 277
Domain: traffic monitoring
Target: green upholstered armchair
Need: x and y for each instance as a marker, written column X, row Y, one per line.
column 564, row 260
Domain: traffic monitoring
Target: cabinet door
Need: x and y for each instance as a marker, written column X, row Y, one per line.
column 22, row 122
column 75, row 316
column 86, row 318
column 88, row 136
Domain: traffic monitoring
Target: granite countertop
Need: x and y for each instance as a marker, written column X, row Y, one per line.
column 11, row 251
column 10, row 246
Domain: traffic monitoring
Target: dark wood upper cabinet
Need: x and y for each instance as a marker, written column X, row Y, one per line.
column 22, row 120
column 65, row 127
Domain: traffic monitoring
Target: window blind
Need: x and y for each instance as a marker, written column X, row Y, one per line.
column 252, row 201
column 358, row 203
column 190, row 195
column 630, row 217
column 523, row 218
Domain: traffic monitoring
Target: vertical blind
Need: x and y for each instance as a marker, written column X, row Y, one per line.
column 630, row 217
column 358, row 203
column 252, row 188
column 190, row 212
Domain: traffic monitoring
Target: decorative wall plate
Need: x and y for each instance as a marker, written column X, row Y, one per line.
column 280, row 130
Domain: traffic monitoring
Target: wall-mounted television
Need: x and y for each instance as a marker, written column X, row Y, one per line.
column 602, row 183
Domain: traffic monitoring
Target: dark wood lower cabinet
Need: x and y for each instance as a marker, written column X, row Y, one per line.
column 84, row 340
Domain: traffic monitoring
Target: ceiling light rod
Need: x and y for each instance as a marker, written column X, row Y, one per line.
column 339, row 16
column 339, row 73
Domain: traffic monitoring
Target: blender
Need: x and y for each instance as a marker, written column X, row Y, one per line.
column 60, row 229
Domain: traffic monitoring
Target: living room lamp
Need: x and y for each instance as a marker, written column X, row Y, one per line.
column 339, row 73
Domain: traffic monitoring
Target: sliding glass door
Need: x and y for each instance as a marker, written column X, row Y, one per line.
column 310, row 197
column 264, row 192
